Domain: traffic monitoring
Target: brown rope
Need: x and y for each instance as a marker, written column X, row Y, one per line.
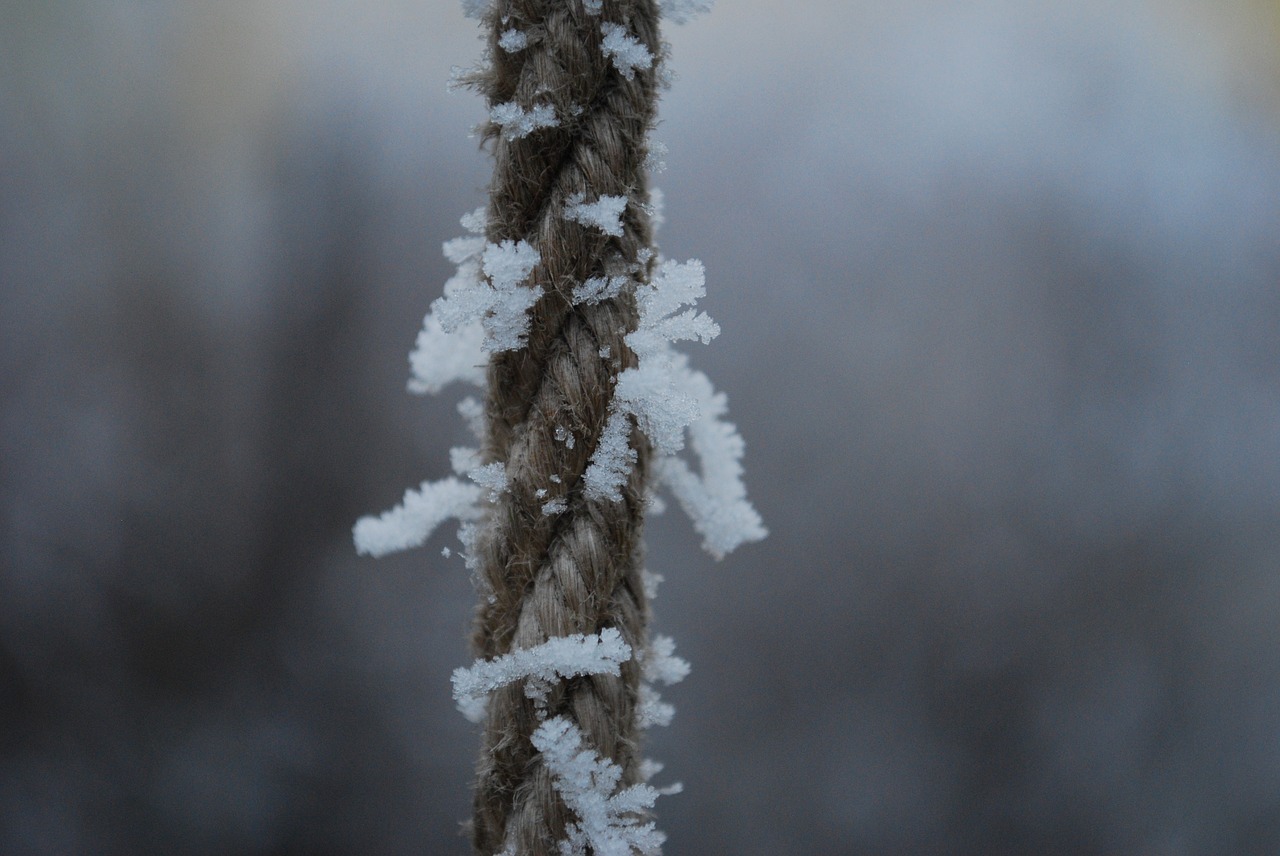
column 576, row 571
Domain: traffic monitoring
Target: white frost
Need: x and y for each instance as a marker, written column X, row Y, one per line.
column 563, row 657
column 651, row 710
column 651, row 581
column 658, row 664
column 667, row 398
column 599, row 288
column 653, row 158
column 507, row 265
column 605, row 213
column 656, row 209
column 516, row 122
column 439, row 358
column 513, row 40
column 474, row 221
column 492, row 315
column 411, row 523
column 491, row 477
column 715, row 497
column 564, row 435
column 661, row 664
column 472, row 411
column 681, row 11
column 626, row 51
column 611, row 461
column 463, row 459
column 465, row 249
column 609, row 820
column 648, row 391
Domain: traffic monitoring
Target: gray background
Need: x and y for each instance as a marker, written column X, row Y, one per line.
column 1000, row 287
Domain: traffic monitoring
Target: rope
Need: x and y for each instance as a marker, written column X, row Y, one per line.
column 577, row 570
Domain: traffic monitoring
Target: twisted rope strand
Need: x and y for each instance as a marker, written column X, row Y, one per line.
column 576, row 570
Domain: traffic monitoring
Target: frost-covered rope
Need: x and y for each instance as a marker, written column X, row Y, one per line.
column 586, row 409
column 572, row 98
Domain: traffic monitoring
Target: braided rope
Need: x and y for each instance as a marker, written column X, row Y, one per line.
column 577, row 570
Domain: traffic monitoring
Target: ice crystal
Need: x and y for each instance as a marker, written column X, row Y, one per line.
column 610, row 819
column 599, row 288
column 681, row 11
column 516, row 122
column 411, row 522
column 491, row 477
column 605, row 213
column 562, row 657
column 513, row 40
column 626, row 51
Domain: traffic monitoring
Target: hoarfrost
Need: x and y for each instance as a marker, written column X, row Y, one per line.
column 564, row 435
column 599, row 288
column 626, row 51
column 465, row 249
column 516, row 122
column 647, row 391
column 609, row 821
column 715, row 497
column 611, row 461
column 661, row 664
column 463, row 459
column 667, row 398
column 513, row 40
column 650, row 768
column 562, row 657
column 605, row 213
column 673, row 286
column 651, row 581
column 472, row 411
column 661, row 411
column 656, row 209
column 411, row 522
column 651, row 709
column 474, row 221
column 653, row 158
column 439, row 358
column 555, row 506
column 471, row 313
column 475, row 8
column 507, row 265
column 682, row 11
column 658, row 664
column 465, row 298
column 491, row 477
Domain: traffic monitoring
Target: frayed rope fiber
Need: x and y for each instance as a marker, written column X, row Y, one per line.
column 568, row 127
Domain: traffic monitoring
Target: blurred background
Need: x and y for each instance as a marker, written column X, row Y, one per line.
column 1000, row 290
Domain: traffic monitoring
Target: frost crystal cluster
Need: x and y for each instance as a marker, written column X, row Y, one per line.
column 654, row 397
